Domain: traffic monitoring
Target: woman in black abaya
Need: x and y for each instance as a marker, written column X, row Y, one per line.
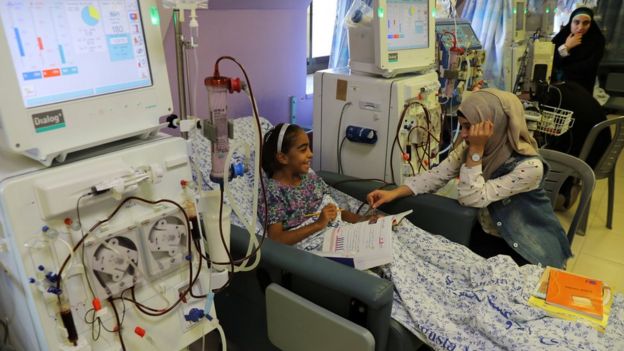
column 579, row 47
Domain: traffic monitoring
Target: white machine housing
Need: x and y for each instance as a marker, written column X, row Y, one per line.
column 542, row 59
column 512, row 60
column 85, row 121
column 369, row 51
column 513, row 63
column 518, row 20
column 41, row 197
column 548, row 18
column 374, row 103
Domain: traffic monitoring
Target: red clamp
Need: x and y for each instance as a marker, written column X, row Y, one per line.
column 139, row 331
column 235, row 85
column 97, row 305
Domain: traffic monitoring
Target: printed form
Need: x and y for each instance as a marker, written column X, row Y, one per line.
column 368, row 245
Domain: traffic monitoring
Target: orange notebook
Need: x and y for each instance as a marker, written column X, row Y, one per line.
column 570, row 291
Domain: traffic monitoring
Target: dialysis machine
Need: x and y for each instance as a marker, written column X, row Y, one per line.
column 369, row 126
column 96, row 253
column 372, row 127
column 460, row 59
column 517, row 42
column 538, row 64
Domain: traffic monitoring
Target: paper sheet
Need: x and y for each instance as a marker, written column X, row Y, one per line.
column 369, row 245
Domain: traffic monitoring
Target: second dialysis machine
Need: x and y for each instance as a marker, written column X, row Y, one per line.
column 371, row 127
column 370, row 121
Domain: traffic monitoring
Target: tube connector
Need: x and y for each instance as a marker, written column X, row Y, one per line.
column 194, row 315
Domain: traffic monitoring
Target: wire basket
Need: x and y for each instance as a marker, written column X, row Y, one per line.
column 555, row 121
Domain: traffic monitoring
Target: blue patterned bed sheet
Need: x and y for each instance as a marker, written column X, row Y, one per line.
column 445, row 294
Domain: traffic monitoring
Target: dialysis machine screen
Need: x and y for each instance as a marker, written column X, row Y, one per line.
column 65, row 50
column 408, row 24
column 459, row 29
column 93, row 68
column 396, row 38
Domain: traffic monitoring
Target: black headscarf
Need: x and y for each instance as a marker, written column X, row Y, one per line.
column 581, row 65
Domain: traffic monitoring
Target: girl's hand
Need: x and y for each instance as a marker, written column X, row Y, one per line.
column 372, row 219
column 479, row 134
column 328, row 214
column 573, row 40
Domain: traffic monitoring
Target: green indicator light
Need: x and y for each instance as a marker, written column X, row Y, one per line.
column 155, row 16
column 548, row 10
column 514, row 11
column 380, row 12
column 433, row 13
column 555, row 10
column 526, row 11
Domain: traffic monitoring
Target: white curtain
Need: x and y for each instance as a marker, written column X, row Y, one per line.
column 564, row 9
column 339, row 56
column 491, row 21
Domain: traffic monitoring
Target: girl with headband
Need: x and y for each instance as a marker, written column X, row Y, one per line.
column 294, row 194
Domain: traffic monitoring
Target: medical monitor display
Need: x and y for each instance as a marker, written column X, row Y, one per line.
column 460, row 30
column 408, row 24
column 66, row 50
column 398, row 38
column 78, row 74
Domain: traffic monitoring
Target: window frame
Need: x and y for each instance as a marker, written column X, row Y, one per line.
column 313, row 64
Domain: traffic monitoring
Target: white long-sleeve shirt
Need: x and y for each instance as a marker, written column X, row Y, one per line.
column 473, row 190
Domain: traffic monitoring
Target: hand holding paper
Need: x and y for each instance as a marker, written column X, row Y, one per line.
column 367, row 245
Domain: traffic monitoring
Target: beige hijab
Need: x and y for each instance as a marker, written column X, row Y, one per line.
column 505, row 110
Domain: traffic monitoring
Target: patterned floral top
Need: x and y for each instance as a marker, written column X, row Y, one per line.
column 289, row 204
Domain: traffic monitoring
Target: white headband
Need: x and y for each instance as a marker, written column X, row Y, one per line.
column 280, row 138
column 581, row 15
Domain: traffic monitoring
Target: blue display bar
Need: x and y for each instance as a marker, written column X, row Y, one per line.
column 125, row 86
column 32, row 75
column 69, row 70
column 59, row 97
column 62, row 53
column 18, row 39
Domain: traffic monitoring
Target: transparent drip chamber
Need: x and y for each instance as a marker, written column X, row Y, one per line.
column 218, row 126
column 215, row 214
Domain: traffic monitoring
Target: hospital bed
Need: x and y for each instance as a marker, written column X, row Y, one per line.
column 296, row 300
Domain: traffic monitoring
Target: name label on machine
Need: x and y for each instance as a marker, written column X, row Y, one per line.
column 49, row 120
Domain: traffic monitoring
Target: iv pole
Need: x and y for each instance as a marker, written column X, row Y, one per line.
column 179, row 47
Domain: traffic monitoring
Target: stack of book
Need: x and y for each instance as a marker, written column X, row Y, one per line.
column 573, row 297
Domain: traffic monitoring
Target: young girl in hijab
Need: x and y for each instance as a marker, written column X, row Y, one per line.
column 501, row 173
column 294, row 195
column 579, row 47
